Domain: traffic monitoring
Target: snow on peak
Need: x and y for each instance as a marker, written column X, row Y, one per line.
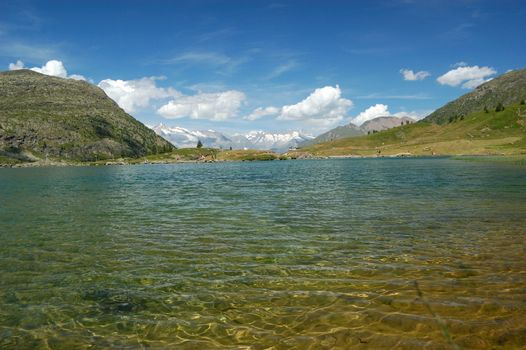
column 256, row 139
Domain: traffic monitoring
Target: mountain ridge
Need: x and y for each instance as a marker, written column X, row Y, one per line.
column 352, row 130
column 259, row 140
column 485, row 123
column 506, row 89
column 43, row 117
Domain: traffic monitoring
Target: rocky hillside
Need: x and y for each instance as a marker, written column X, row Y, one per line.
column 384, row 123
column 44, row 117
column 509, row 88
column 351, row 130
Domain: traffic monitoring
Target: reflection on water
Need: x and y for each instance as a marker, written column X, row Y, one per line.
column 281, row 255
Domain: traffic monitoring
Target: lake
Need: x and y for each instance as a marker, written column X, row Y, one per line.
column 312, row 254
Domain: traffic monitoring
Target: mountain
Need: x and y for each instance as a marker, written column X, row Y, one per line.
column 43, row 116
column 478, row 133
column 385, row 123
column 276, row 142
column 461, row 127
column 184, row 138
column 258, row 140
column 351, row 130
column 507, row 89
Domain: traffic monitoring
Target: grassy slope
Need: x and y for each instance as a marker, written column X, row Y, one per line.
column 508, row 89
column 480, row 133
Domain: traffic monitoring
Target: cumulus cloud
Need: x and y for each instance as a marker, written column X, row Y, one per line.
column 53, row 67
column 469, row 77
column 211, row 106
column 378, row 110
column 16, row 66
column 262, row 112
column 412, row 76
column 323, row 107
column 133, row 94
column 381, row 110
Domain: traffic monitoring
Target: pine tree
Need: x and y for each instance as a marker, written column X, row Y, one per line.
column 199, row 144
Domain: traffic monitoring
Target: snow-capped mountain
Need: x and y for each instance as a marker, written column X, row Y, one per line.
column 261, row 140
column 185, row 138
column 264, row 140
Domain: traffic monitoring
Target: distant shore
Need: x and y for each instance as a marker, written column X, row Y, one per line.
column 259, row 156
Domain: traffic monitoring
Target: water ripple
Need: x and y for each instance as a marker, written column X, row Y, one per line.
column 281, row 255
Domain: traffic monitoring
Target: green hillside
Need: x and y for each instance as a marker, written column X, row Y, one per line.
column 507, row 89
column 50, row 118
column 479, row 133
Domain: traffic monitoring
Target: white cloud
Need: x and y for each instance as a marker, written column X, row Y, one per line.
column 262, row 112
column 133, row 94
column 212, row 58
column 459, row 64
column 53, row 67
column 381, row 110
column 282, row 69
column 471, row 84
column 77, row 77
column 223, row 63
column 16, row 66
column 412, row 76
column 378, row 110
column 323, row 107
column 417, row 115
column 469, row 77
column 211, row 106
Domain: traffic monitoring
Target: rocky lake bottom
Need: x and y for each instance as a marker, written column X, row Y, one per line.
column 310, row 254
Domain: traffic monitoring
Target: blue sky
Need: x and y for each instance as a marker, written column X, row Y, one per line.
column 275, row 66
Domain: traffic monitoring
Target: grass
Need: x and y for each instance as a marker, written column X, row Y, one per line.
column 8, row 161
column 180, row 155
column 480, row 133
column 195, row 155
column 247, row 155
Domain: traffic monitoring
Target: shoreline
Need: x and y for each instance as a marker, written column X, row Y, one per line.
column 519, row 158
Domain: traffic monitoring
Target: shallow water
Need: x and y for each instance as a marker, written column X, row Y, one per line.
column 282, row 255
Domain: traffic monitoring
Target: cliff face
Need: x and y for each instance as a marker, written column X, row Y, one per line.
column 49, row 117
